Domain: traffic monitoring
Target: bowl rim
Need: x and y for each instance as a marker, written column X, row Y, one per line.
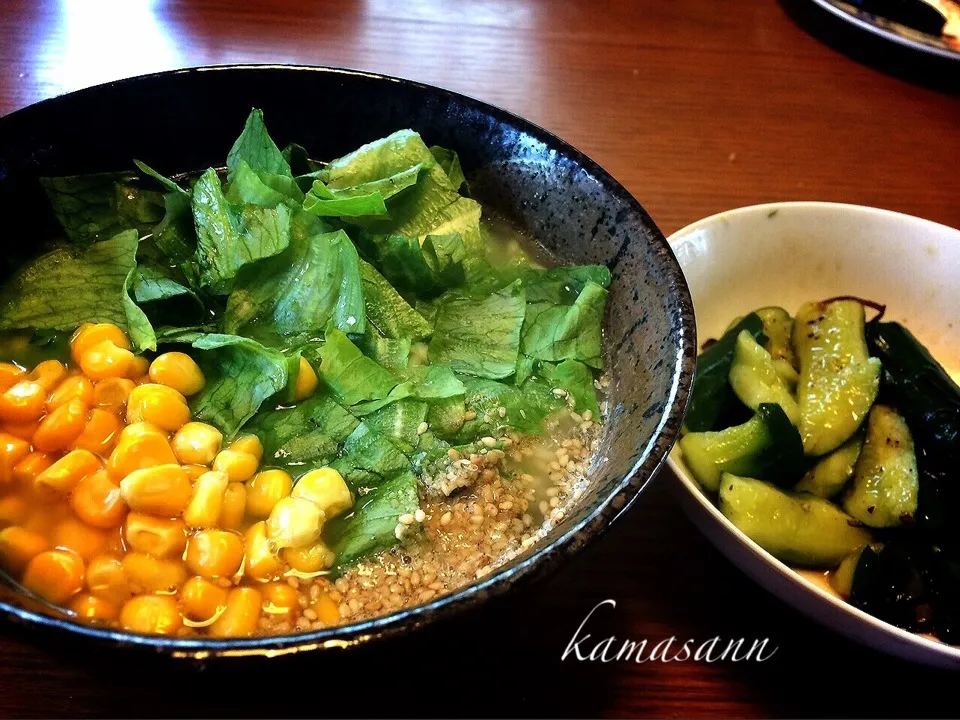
column 686, row 481
column 546, row 557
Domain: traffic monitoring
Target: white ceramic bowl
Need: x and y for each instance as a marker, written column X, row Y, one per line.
column 785, row 254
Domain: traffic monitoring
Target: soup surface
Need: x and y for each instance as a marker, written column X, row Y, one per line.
column 289, row 394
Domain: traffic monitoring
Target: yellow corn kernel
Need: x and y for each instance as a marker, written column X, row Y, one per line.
column 97, row 501
column 196, row 443
column 23, row 403
column 100, row 434
column 24, row 431
column 204, row 508
column 262, row 561
column 107, row 579
column 91, row 607
column 306, row 381
column 195, row 471
column 249, row 444
column 234, row 506
column 241, row 615
column 74, row 535
column 48, row 374
column 163, row 490
column 266, row 489
column 25, row 471
column 54, row 575
column 328, row 612
column 65, row 473
column 46, row 513
column 18, row 546
column 76, row 387
column 238, row 466
column 61, row 427
column 148, row 574
column 138, row 368
column 214, row 553
column 14, row 509
column 12, row 451
column 280, row 599
column 10, row 375
column 326, row 488
column 158, row 404
column 160, row 537
column 310, row 559
column 151, row 615
column 177, row 370
column 106, row 360
column 90, row 334
column 201, row 601
column 111, row 394
column 139, row 446
column 294, row 522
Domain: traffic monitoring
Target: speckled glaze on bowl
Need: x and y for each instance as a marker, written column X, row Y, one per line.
column 579, row 214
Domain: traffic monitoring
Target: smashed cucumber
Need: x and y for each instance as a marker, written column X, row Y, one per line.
column 839, row 380
column 711, row 396
column 755, row 379
column 832, row 472
column 778, row 329
column 885, row 482
column 799, row 529
column 767, row 446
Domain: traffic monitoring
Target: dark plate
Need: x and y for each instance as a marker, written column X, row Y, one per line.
column 188, row 119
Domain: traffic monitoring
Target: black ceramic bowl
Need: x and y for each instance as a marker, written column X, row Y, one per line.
column 579, row 214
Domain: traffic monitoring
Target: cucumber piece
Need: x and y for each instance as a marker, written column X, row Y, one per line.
column 928, row 398
column 842, row 578
column 767, row 446
column 755, row 379
column 798, row 529
column 885, row 481
column 838, row 379
column 778, row 327
column 711, row 397
column 832, row 472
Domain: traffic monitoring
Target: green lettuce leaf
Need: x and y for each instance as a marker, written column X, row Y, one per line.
column 424, row 270
column 228, row 238
column 368, row 198
column 253, row 187
column 294, row 295
column 562, row 285
column 525, row 407
column 68, row 287
column 257, row 149
column 479, row 336
column 162, row 179
column 387, row 310
column 392, row 353
column 567, row 332
column 352, row 376
column 449, row 161
column 377, row 160
column 241, row 375
column 95, row 207
column 299, row 160
column 400, row 422
column 369, row 528
column 577, row 379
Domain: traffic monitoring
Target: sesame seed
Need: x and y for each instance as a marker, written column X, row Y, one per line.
column 422, row 428
column 588, row 414
column 406, row 519
column 446, row 518
column 419, row 515
column 470, row 415
column 502, row 412
column 310, row 614
column 560, row 392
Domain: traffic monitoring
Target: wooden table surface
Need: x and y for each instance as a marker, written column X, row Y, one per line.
column 696, row 107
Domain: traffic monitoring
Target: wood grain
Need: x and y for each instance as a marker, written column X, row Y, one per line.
column 696, row 107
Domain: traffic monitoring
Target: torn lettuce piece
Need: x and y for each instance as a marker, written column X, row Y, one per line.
column 253, row 187
column 562, row 285
column 387, row 310
column 166, row 182
column 151, row 283
column 352, row 376
column 241, row 374
column 577, row 379
column 479, row 336
column 369, row 528
column 449, row 161
column 525, row 408
column 567, row 332
column 365, row 199
column 229, row 238
column 392, row 353
column 98, row 206
column 400, row 422
column 67, row 287
column 257, row 149
column 377, row 160
column 293, row 296
column 423, row 269
column 299, row 160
